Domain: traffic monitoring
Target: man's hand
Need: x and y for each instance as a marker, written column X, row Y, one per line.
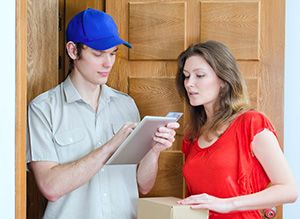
column 121, row 135
column 165, row 136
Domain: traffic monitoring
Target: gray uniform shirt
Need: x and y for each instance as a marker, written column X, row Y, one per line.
column 63, row 128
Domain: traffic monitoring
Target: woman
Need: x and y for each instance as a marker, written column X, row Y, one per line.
column 232, row 152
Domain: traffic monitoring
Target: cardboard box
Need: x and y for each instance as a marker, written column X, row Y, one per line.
column 167, row 208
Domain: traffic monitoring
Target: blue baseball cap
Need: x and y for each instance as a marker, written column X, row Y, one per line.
column 95, row 29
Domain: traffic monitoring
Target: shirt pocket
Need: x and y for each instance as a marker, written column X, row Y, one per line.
column 71, row 145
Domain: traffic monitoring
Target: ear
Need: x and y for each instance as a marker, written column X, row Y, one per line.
column 71, row 50
column 222, row 84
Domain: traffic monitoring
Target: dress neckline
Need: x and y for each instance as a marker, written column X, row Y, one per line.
column 227, row 130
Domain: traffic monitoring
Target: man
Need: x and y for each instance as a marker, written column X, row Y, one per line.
column 75, row 127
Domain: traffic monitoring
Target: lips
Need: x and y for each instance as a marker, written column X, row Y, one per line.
column 103, row 74
column 190, row 93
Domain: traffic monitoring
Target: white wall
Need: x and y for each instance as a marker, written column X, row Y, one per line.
column 7, row 110
column 292, row 98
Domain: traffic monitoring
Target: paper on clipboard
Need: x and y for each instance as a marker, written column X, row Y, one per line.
column 139, row 142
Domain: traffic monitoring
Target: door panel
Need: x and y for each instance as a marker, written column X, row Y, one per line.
column 155, row 30
column 228, row 21
column 42, row 46
column 42, row 73
column 160, row 30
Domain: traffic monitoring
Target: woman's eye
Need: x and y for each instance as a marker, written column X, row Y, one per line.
column 186, row 76
column 200, row 76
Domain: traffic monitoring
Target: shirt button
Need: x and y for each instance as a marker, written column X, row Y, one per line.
column 102, row 169
column 104, row 194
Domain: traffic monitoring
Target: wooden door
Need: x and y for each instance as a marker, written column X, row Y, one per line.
column 160, row 30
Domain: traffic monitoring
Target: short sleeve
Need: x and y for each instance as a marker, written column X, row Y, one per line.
column 252, row 177
column 256, row 122
column 40, row 146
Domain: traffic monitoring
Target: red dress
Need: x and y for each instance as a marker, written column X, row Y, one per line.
column 228, row 167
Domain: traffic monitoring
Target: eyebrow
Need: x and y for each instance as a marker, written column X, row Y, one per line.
column 194, row 70
column 115, row 50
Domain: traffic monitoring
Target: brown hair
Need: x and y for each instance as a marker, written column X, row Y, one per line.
column 233, row 96
column 79, row 47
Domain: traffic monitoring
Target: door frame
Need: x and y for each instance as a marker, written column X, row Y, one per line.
column 21, row 108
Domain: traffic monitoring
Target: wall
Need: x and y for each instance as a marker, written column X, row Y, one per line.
column 292, row 100
column 7, row 110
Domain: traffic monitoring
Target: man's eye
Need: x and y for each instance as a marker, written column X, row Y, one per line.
column 97, row 54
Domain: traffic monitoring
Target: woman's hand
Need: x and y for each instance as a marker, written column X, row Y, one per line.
column 165, row 136
column 205, row 201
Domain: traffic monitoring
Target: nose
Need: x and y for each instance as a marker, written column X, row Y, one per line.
column 108, row 61
column 190, row 81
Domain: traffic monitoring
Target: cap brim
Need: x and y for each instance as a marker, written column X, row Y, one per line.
column 107, row 43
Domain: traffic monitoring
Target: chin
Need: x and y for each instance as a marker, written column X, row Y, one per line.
column 194, row 102
column 101, row 82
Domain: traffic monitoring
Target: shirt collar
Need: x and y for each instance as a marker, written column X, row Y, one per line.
column 73, row 95
column 71, row 92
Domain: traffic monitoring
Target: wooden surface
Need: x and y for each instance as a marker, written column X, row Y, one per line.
column 42, row 46
column 73, row 7
column 36, row 203
column 169, row 180
column 227, row 21
column 156, row 30
column 21, row 96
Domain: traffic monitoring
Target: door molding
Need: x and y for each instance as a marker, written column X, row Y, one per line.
column 21, row 103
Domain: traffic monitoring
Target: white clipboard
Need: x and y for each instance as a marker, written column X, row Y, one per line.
column 140, row 141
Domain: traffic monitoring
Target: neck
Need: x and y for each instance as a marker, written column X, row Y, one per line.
column 209, row 110
column 88, row 91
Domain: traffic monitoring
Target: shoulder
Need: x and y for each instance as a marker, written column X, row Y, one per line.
column 120, row 96
column 252, row 116
column 118, row 93
column 122, row 105
column 253, row 122
column 47, row 98
column 252, row 113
